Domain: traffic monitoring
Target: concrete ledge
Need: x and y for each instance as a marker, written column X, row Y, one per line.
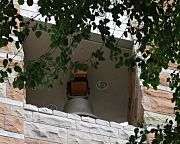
column 11, row 102
column 11, row 134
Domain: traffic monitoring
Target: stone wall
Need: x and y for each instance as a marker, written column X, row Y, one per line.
column 11, row 100
column 156, row 104
column 44, row 126
column 27, row 124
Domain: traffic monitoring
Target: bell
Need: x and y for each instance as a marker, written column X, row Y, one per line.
column 79, row 106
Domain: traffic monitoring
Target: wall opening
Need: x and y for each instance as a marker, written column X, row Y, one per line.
column 109, row 103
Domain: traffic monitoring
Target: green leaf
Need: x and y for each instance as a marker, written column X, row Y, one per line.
column 17, row 69
column 118, row 23
column 10, row 39
column 126, row 54
column 5, row 62
column 19, row 17
column 78, row 38
column 178, row 67
column 64, row 40
column 143, row 138
column 10, row 60
column 4, row 74
column 9, row 70
column 136, row 130
column 30, row 2
column 21, row 2
column 3, row 42
column 22, row 78
column 17, row 44
column 38, row 34
column 18, row 84
column 125, row 34
column 1, row 80
column 132, row 138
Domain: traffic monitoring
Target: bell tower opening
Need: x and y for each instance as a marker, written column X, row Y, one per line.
column 109, row 87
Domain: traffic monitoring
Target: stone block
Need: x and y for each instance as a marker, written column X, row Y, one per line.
column 17, row 111
column 1, row 121
column 125, row 134
column 129, row 127
column 15, row 93
column 156, row 93
column 157, row 101
column 5, row 108
column 88, row 119
column 54, row 120
column 124, row 123
column 109, row 131
column 45, row 132
column 163, row 78
column 31, row 141
column 117, row 141
column 102, row 122
column 28, row 115
column 8, row 140
column 46, row 142
column 73, row 116
column 79, row 137
column 45, row 110
column 97, row 129
column 60, row 113
column 11, row 102
column 158, row 105
column 88, row 127
column 14, row 124
column 173, row 66
column 2, row 89
column 115, row 125
column 7, row 49
column 30, row 107
column 154, row 119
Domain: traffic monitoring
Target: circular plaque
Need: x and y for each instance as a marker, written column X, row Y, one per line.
column 102, row 85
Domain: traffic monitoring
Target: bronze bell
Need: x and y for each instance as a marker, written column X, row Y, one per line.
column 77, row 93
column 80, row 106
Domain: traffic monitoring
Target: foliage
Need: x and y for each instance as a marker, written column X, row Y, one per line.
column 168, row 133
column 154, row 25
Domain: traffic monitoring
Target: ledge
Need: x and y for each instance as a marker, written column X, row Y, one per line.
column 11, row 102
column 53, row 126
column 11, row 134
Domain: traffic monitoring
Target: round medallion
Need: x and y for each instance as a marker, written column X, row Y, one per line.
column 102, row 85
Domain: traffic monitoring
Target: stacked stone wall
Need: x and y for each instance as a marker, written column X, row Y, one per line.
column 11, row 100
column 27, row 124
column 44, row 126
column 11, row 103
column 156, row 104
